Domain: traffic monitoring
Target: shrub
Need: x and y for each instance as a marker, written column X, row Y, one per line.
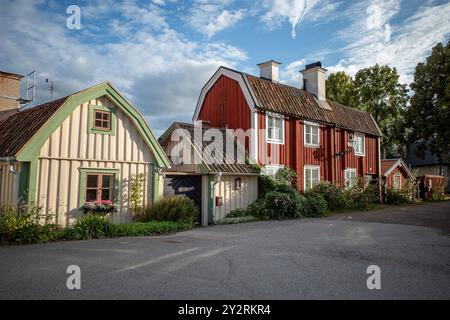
column 176, row 208
column 237, row 213
column 92, row 227
column 313, row 205
column 150, row 228
column 397, row 196
column 281, row 205
column 286, row 176
column 20, row 224
column 356, row 198
column 265, row 185
column 438, row 195
column 333, row 195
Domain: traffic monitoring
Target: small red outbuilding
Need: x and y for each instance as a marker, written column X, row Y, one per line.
column 395, row 171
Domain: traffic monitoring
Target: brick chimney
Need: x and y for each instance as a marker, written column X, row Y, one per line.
column 270, row 70
column 9, row 94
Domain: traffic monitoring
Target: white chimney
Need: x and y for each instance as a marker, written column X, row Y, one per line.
column 270, row 70
column 314, row 80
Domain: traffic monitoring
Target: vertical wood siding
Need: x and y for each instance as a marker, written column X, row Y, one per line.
column 71, row 147
column 403, row 177
column 8, row 184
column 235, row 199
column 225, row 106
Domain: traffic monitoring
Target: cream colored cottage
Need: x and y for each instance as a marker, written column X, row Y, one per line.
column 81, row 148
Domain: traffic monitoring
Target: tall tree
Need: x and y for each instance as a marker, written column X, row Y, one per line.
column 340, row 88
column 428, row 118
column 378, row 91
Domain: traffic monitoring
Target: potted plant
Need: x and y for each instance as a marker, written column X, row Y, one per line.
column 102, row 208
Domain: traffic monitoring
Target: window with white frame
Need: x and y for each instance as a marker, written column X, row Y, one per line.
column 275, row 128
column 311, row 177
column 397, row 181
column 350, row 178
column 367, row 180
column 271, row 170
column 312, row 134
column 360, row 145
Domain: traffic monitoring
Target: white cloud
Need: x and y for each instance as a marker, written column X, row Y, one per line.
column 158, row 69
column 373, row 37
column 294, row 11
column 211, row 16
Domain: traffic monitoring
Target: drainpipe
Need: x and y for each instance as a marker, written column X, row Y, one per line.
column 379, row 171
column 217, row 178
column 335, row 154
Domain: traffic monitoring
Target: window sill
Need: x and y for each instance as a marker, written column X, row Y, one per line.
column 312, row 145
column 274, row 141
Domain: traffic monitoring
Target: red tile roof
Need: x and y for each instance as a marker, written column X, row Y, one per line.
column 19, row 128
column 386, row 164
column 280, row 98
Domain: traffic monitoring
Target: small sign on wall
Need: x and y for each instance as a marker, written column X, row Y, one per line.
column 219, row 201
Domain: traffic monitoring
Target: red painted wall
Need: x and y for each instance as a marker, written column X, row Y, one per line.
column 225, row 106
column 390, row 177
column 295, row 155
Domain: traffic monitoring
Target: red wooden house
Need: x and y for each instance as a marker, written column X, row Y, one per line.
column 396, row 172
column 320, row 139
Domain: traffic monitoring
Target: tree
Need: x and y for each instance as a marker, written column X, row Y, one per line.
column 378, row 91
column 340, row 88
column 428, row 118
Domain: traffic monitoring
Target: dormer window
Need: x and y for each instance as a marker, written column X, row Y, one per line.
column 274, row 128
column 102, row 120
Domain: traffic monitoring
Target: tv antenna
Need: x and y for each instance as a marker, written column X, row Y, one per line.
column 51, row 88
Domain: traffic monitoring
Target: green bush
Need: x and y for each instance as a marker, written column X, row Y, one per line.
column 286, row 176
column 356, row 198
column 333, row 195
column 92, row 227
column 150, row 228
column 265, row 185
column 438, row 195
column 176, row 208
column 313, row 205
column 237, row 213
column 397, row 196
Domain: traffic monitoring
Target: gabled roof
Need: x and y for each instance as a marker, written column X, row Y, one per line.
column 16, row 130
column 280, row 98
column 388, row 165
column 23, row 133
column 225, row 168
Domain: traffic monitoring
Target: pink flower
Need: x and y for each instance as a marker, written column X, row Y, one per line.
column 107, row 202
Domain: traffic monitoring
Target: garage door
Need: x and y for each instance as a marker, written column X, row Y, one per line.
column 190, row 186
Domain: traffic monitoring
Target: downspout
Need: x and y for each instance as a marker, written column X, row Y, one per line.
column 10, row 161
column 217, row 178
column 334, row 155
column 380, row 178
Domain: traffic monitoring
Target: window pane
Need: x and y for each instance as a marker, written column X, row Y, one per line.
column 315, row 139
column 308, row 178
column 91, row 195
column 105, row 124
column 98, row 115
column 269, row 122
column 106, row 194
column 107, row 181
column 92, row 181
column 105, row 116
column 98, row 123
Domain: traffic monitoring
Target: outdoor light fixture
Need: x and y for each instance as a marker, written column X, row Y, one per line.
column 351, row 142
column 237, row 184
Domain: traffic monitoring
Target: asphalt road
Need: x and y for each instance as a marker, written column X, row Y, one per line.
column 298, row 259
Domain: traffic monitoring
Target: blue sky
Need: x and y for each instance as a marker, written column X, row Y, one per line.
column 160, row 53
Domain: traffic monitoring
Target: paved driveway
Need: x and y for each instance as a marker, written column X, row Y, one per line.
column 298, row 259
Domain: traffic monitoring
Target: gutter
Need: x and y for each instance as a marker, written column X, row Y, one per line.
column 335, row 154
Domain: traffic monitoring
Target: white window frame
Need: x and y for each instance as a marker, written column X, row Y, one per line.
column 367, row 180
column 399, row 176
column 360, row 135
column 272, row 169
column 313, row 125
column 304, row 176
column 351, row 182
column 274, row 141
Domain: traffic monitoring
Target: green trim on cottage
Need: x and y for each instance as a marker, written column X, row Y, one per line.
column 30, row 151
column 24, row 180
column 82, row 185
